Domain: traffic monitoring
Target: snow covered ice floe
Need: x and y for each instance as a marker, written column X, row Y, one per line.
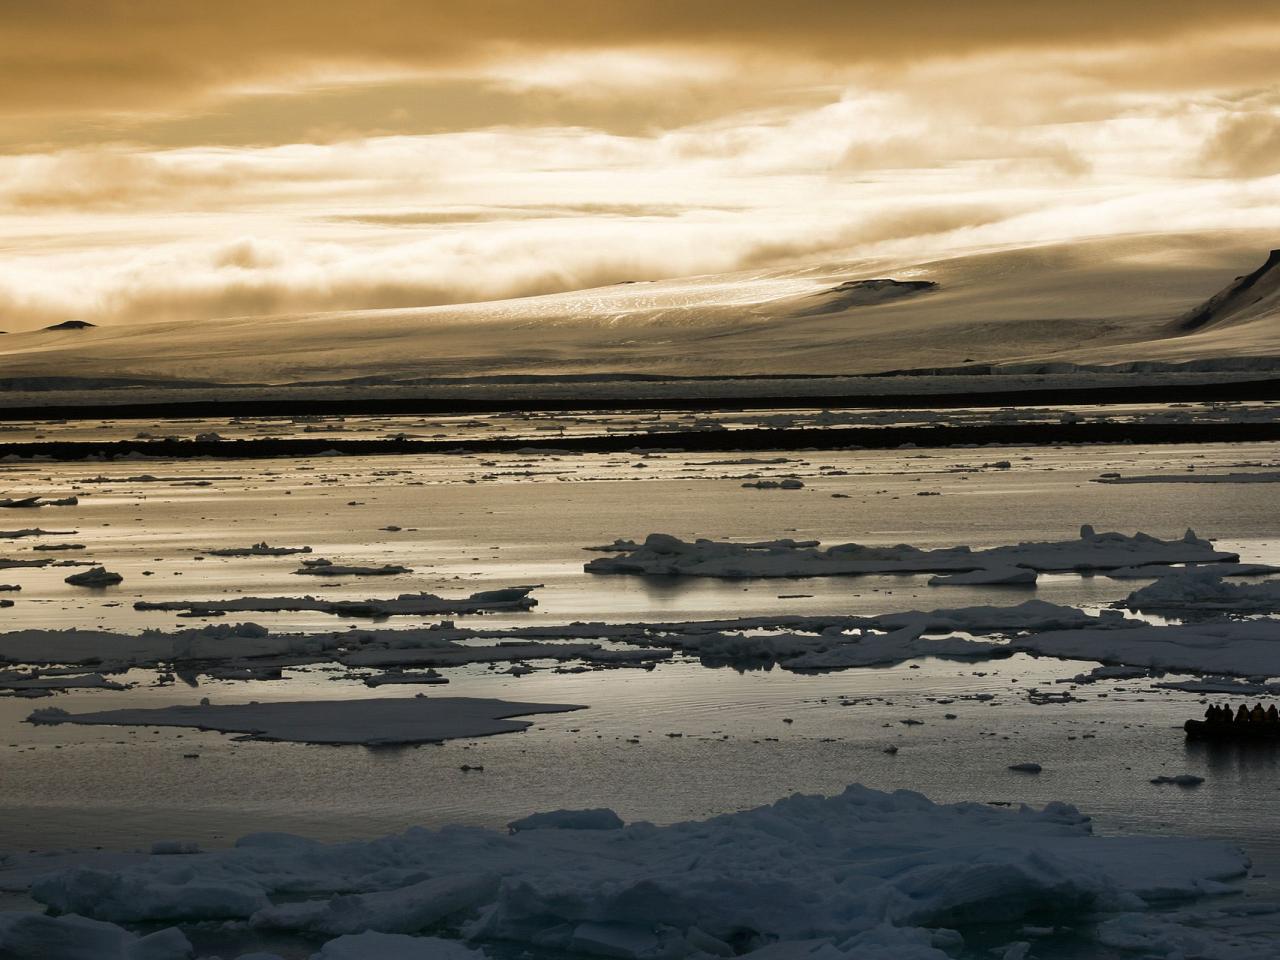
column 1245, row 648
column 1150, row 571
column 1260, row 477
column 11, row 680
column 988, row 576
column 406, row 604
column 863, row 874
column 664, row 555
column 1194, row 589
column 262, row 549
column 416, row 719
column 327, row 568
column 34, row 532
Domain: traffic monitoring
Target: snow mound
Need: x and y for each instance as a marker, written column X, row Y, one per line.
column 664, row 555
column 863, row 874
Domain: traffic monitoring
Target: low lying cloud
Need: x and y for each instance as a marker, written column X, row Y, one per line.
column 1244, row 145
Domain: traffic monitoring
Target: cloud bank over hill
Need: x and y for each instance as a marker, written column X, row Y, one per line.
column 162, row 162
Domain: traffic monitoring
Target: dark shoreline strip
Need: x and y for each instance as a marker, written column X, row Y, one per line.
column 872, row 438
column 1262, row 389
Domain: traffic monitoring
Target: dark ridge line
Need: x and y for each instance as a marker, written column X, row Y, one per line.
column 870, row 438
column 1266, row 389
column 1203, row 315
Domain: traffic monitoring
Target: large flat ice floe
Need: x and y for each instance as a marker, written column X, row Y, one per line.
column 406, row 604
column 864, row 874
column 664, row 555
column 417, row 719
column 1267, row 477
column 1248, row 648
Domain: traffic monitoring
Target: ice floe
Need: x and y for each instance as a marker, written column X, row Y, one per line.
column 33, row 532
column 415, row 719
column 1205, row 590
column 989, row 577
column 95, row 577
column 1261, row 477
column 262, row 549
column 406, row 604
column 20, row 503
column 12, row 680
column 1152, row 570
column 664, row 555
column 1249, row 648
column 321, row 567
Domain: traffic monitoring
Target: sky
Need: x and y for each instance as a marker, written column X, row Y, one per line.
column 168, row 160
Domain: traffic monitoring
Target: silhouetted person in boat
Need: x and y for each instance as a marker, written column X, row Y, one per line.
column 1257, row 714
column 1242, row 715
column 1273, row 716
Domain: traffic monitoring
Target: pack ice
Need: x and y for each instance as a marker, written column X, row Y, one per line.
column 861, row 870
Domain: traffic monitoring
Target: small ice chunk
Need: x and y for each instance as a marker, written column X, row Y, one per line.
column 94, row 577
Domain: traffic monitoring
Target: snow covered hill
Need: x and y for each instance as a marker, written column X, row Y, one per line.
column 1174, row 298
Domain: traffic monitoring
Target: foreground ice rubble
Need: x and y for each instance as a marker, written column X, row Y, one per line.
column 415, row 719
column 864, row 874
column 664, row 555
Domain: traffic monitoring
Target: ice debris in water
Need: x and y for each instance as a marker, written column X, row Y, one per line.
column 864, row 874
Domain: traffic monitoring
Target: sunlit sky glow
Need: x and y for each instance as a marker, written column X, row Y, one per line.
column 189, row 160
